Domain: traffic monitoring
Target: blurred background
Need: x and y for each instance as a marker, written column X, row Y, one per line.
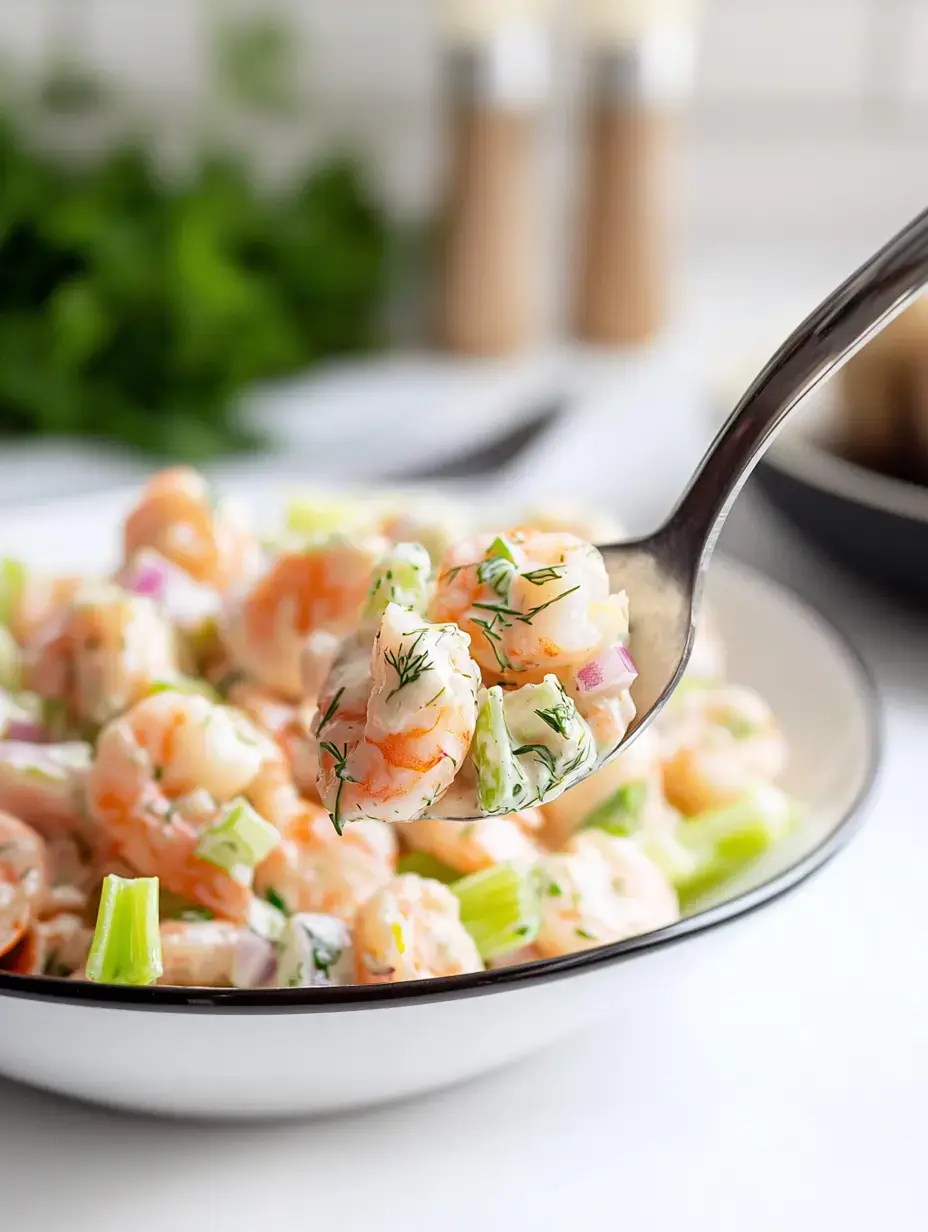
column 367, row 237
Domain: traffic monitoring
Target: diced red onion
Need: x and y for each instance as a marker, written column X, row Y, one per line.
column 254, row 962
column 612, row 671
column 149, row 580
column 28, row 731
column 185, row 599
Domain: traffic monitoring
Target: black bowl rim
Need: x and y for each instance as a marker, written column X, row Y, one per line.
column 380, row 996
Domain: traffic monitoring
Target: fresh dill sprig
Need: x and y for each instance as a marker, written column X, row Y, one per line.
column 494, row 638
column 408, row 665
column 525, row 618
column 550, row 573
column 496, row 572
column 330, row 712
column 340, row 757
column 560, row 714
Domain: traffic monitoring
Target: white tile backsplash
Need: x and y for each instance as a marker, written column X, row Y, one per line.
column 791, row 51
column 810, row 114
column 912, row 81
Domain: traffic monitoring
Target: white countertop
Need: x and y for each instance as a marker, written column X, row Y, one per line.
column 793, row 1090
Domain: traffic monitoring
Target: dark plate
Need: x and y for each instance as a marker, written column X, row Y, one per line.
column 873, row 524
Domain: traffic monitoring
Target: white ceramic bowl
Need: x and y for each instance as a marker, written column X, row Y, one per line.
column 215, row 1053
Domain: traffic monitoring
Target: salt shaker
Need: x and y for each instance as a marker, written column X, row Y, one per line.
column 497, row 76
column 639, row 57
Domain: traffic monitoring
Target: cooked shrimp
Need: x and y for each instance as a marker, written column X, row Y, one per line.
column 316, row 870
column 717, row 742
column 161, row 772
column 600, row 889
column 319, row 591
column 549, row 607
column 419, row 723
column 104, row 653
column 288, row 724
column 23, row 879
column 45, row 786
column 638, row 764
column 177, row 516
column 32, row 600
column 476, row 845
column 214, row 954
column 411, row 930
column 57, row 946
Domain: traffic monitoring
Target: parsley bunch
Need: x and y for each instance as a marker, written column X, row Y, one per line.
column 139, row 309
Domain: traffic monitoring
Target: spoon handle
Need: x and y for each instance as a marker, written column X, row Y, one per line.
column 862, row 306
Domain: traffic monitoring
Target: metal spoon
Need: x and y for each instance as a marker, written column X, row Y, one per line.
column 664, row 573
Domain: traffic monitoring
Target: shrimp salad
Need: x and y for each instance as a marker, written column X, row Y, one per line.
column 234, row 762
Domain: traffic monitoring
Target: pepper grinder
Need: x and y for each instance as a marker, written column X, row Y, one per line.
column 639, row 57
column 497, row 75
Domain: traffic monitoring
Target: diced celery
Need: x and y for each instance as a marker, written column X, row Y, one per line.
column 498, row 567
column 620, row 813
column 188, row 685
column 402, row 577
column 500, row 908
column 553, row 742
column 424, row 865
column 320, row 515
column 239, row 841
column 501, row 783
column 727, row 840
column 10, row 661
column 126, row 947
column 12, row 580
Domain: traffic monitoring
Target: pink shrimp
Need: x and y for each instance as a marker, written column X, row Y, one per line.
column 540, row 604
column 317, row 592
column 177, row 516
column 288, row 724
column 411, row 930
column 23, row 879
column 396, row 756
column 104, row 652
column 316, row 870
column 161, row 773
column 477, row 845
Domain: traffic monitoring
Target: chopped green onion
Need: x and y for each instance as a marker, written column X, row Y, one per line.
column 501, row 783
column 10, row 661
column 620, row 813
column 126, row 946
column 500, row 908
column 725, row 841
column 191, row 685
column 12, row 581
column 401, row 577
column 239, row 841
column 424, row 865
